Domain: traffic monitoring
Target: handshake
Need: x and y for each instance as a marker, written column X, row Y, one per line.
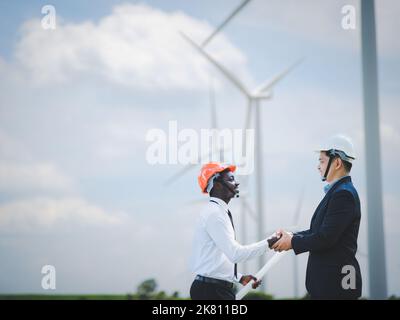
column 281, row 240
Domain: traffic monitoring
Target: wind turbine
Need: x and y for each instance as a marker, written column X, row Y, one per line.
column 261, row 92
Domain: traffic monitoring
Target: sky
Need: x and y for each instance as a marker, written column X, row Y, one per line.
column 77, row 103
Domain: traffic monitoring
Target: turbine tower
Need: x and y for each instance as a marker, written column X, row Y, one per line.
column 376, row 239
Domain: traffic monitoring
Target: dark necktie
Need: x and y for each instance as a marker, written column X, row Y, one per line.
column 230, row 218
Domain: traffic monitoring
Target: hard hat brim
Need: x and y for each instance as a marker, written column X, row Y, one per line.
column 231, row 168
column 349, row 159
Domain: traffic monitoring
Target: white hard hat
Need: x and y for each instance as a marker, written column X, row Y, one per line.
column 339, row 145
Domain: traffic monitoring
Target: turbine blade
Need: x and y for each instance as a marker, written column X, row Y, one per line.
column 225, row 22
column 269, row 84
column 220, row 67
column 214, row 124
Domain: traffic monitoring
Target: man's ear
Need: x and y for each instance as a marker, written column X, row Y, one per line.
column 217, row 185
column 339, row 163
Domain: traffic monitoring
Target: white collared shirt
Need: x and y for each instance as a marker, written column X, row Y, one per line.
column 214, row 249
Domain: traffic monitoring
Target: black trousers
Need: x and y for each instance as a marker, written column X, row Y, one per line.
column 210, row 291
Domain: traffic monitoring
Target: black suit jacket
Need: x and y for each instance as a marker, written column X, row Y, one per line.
column 332, row 244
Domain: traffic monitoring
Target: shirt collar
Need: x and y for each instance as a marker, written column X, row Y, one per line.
column 330, row 185
column 222, row 203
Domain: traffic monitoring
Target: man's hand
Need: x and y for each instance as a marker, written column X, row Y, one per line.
column 273, row 239
column 246, row 279
column 285, row 241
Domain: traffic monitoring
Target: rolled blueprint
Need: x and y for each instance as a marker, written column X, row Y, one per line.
column 261, row 273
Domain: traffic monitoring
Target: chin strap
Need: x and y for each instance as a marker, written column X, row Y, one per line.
column 331, row 157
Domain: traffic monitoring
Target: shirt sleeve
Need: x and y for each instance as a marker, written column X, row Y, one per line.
column 339, row 215
column 221, row 231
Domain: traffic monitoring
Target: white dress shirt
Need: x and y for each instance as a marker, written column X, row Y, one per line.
column 215, row 250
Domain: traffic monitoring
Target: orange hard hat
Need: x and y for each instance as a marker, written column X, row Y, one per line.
column 209, row 170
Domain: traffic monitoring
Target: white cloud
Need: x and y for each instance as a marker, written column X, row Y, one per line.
column 33, row 177
column 36, row 214
column 136, row 46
